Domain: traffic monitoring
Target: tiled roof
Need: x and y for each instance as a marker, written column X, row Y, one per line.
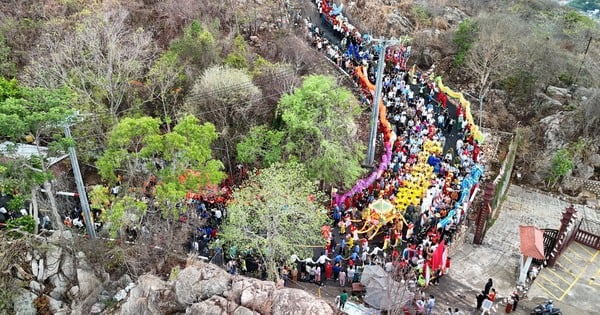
column 532, row 241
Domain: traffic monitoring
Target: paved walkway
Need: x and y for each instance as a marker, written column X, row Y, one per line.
column 498, row 257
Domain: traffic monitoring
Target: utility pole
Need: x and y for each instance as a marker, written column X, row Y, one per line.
column 377, row 99
column 85, row 205
column 582, row 60
column 480, row 100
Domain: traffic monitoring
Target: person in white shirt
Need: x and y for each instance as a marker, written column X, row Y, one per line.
column 218, row 215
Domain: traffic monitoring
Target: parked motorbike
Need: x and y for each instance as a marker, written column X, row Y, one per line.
column 541, row 309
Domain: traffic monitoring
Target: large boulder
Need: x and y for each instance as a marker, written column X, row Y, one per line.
column 555, row 131
column 594, row 160
column 240, row 310
column 216, row 305
column 195, row 284
column 36, row 286
column 299, row 302
column 88, row 282
column 40, row 274
column 56, row 305
column 97, row 308
column 34, row 267
column 548, row 102
column 254, row 294
column 120, row 296
column 453, row 15
column 559, row 93
column 397, row 20
column 583, row 171
column 52, row 261
column 151, row 296
column 23, row 302
column 61, row 286
column 67, row 266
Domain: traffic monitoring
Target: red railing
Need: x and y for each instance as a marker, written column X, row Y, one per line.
column 588, row 239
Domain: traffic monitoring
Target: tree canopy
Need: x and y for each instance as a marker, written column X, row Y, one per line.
column 36, row 115
column 317, row 128
column 180, row 161
column 277, row 212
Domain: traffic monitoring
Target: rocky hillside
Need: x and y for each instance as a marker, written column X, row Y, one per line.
column 55, row 279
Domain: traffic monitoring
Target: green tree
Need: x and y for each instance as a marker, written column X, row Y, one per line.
column 197, row 47
column 320, row 130
column 40, row 114
column 464, row 37
column 261, row 146
column 562, row 163
column 125, row 150
column 166, row 79
column 276, row 213
column 238, row 58
column 180, row 160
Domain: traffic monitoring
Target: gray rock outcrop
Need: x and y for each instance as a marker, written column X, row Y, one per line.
column 196, row 284
column 298, row 302
column 23, row 302
column 203, row 288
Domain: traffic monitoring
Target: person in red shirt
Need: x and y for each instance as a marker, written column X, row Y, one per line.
column 328, row 270
column 492, row 295
column 445, row 270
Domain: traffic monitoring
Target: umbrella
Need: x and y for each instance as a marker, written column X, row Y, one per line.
column 381, row 205
column 383, row 292
column 370, row 272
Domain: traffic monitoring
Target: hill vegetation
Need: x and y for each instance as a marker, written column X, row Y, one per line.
column 187, row 90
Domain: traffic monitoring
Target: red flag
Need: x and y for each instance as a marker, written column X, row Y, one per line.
column 438, row 258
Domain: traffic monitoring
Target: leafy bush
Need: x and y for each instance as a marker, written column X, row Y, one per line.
column 519, row 86
column 463, row 39
column 197, row 46
column 421, row 16
column 25, row 223
column 238, row 58
column 562, row 163
column 16, row 203
column 261, row 145
column 9, row 88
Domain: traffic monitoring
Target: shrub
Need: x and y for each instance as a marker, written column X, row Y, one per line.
column 562, row 163
column 16, row 203
column 25, row 223
column 463, row 39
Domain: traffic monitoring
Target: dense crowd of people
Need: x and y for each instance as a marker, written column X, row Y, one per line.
column 432, row 163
